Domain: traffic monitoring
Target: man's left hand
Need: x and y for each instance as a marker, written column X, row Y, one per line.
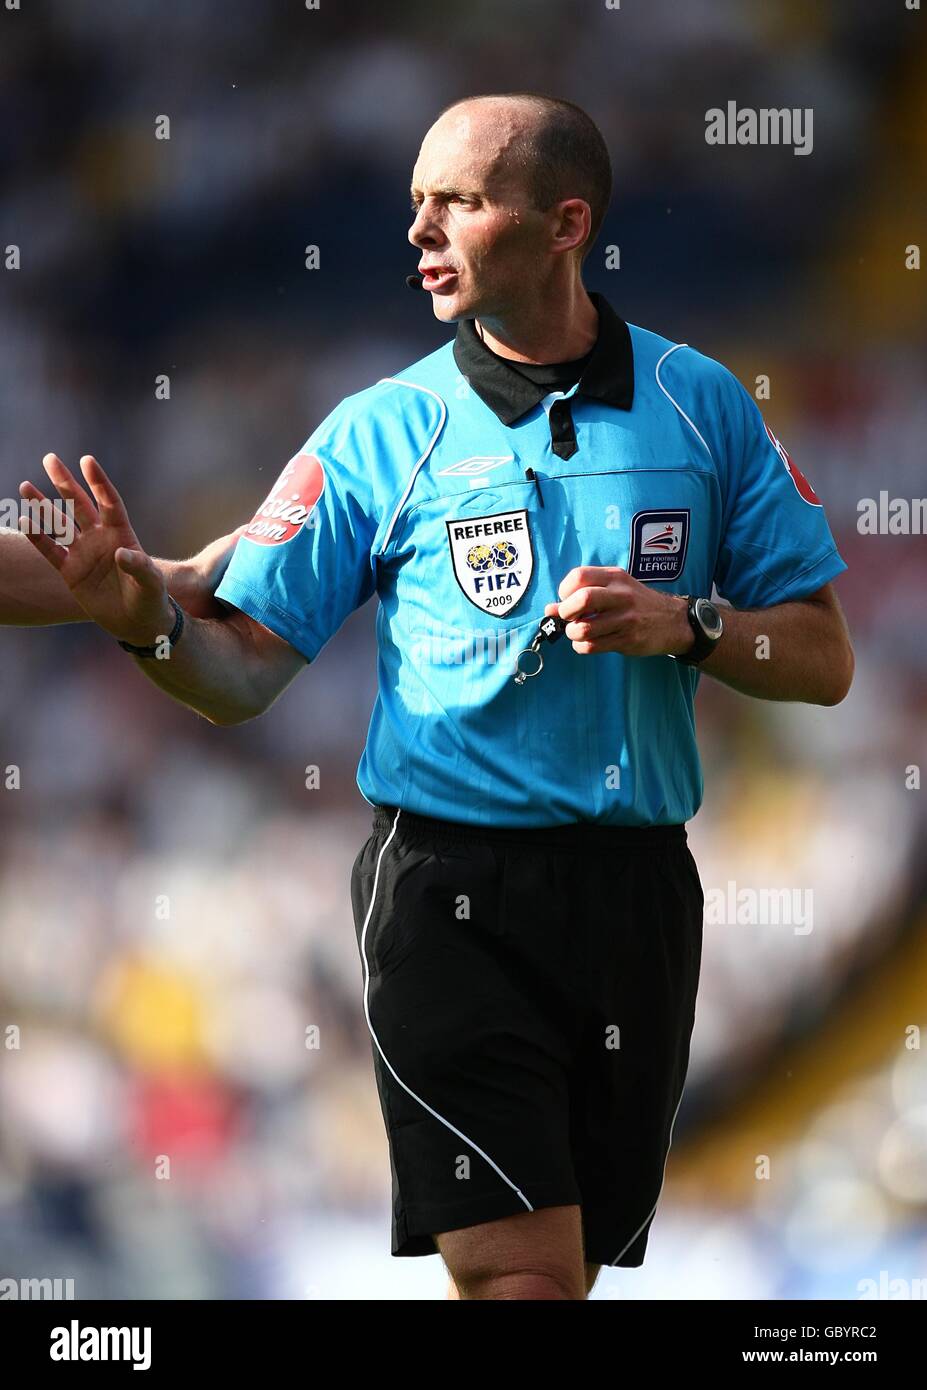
column 605, row 610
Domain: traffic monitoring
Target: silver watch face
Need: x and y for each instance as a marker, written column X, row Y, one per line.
column 709, row 618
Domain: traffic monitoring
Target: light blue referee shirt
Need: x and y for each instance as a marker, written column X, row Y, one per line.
column 462, row 495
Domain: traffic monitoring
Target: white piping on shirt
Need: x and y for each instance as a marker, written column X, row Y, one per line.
column 670, row 398
column 397, row 381
column 424, row 1104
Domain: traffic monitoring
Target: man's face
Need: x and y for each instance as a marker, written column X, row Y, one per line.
column 482, row 244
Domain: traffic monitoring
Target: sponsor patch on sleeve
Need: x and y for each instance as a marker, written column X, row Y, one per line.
column 289, row 504
column 659, row 541
column 804, row 489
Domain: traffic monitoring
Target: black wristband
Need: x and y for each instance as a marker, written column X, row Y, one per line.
column 173, row 637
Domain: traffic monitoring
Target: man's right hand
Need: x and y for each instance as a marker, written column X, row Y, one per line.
column 28, row 597
column 228, row 668
column 108, row 573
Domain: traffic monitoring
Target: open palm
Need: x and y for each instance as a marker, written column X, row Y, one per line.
column 112, row 578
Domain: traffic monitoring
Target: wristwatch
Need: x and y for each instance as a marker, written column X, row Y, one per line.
column 706, row 623
column 173, row 637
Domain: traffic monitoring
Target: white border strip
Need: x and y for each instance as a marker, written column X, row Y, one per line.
column 386, row 1062
column 652, row 1211
column 675, row 402
column 397, row 381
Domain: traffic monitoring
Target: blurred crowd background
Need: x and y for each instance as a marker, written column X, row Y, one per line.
column 174, row 905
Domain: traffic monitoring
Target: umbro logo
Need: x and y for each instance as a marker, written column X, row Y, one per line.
column 476, row 466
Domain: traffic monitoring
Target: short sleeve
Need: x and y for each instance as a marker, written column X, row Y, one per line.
column 305, row 561
column 776, row 544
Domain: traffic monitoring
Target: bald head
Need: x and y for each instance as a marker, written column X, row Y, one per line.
column 551, row 147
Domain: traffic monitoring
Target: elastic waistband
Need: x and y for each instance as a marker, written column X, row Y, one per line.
column 573, row 835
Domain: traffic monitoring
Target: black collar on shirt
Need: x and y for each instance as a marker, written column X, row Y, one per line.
column 609, row 374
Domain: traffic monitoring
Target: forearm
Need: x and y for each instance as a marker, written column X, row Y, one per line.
column 793, row 651
column 31, row 592
column 213, row 670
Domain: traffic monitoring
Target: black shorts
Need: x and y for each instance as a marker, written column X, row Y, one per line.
column 530, row 996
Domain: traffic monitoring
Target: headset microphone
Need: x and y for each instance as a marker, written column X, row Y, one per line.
column 415, row 282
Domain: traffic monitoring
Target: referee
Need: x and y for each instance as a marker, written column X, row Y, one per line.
column 528, row 913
